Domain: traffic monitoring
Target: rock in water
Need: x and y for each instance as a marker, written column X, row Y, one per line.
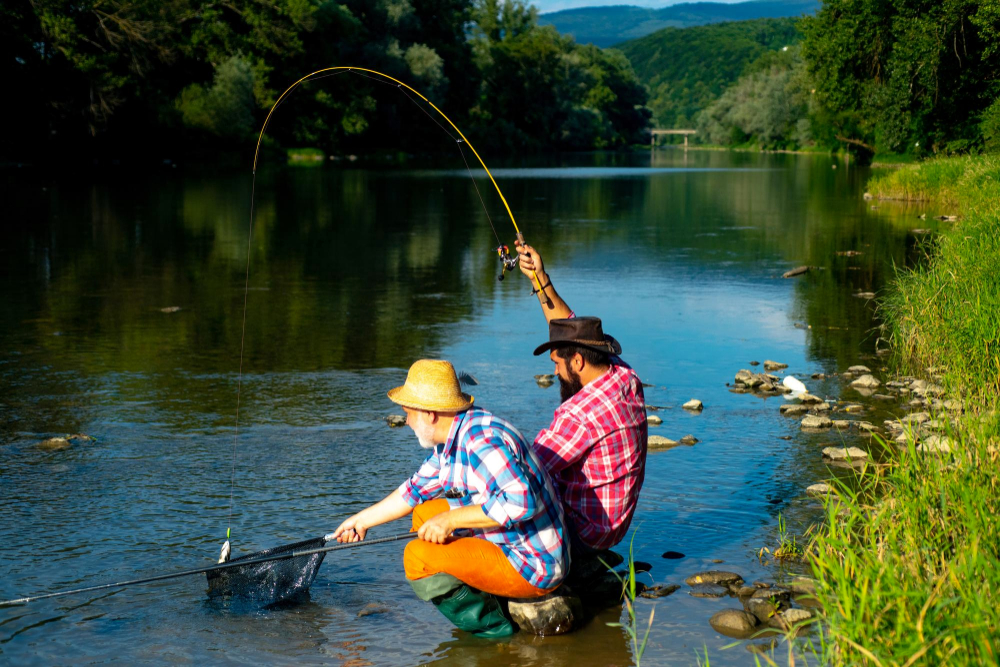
column 694, row 405
column 866, row 382
column 859, row 370
column 821, row 489
column 797, row 271
column 659, row 591
column 816, row 421
column 792, row 409
column 552, row 614
column 673, row 554
column 773, row 365
column 708, row 591
column 734, row 623
column 657, row 443
column 54, row 444
column 719, row 577
column 653, row 420
column 545, row 380
column 395, row 421
column 844, row 454
column 689, row 440
column 936, row 444
column 791, row 617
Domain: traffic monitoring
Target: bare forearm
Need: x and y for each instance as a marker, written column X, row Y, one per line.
column 553, row 306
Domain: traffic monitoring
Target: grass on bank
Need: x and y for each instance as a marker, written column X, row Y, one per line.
column 909, row 565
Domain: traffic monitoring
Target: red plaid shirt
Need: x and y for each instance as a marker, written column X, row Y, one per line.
column 595, row 451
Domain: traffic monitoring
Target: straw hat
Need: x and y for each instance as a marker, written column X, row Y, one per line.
column 432, row 386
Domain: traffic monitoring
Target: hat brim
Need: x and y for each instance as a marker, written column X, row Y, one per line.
column 403, row 396
column 611, row 346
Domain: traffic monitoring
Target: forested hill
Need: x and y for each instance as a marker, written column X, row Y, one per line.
column 606, row 26
column 686, row 69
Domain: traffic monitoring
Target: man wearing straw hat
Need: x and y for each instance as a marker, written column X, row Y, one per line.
column 595, row 448
column 498, row 531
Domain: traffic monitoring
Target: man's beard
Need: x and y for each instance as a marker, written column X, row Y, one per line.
column 425, row 435
column 569, row 388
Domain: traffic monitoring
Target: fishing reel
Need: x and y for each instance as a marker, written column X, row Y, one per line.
column 507, row 262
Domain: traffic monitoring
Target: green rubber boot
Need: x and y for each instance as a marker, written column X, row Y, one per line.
column 475, row 611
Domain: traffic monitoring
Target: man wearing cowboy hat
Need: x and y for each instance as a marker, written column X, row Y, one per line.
column 499, row 530
column 595, row 448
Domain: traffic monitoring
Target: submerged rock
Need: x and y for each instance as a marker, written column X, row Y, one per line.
column 708, row 591
column 54, row 444
column 720, row 577
column 694, row 405
column 844, row 454
column 552, row 614
column 734, row 623
column 816, row 422
column 866, row 382
column 797, row 271
column 660, row 591
column 774, row 365
column 395, row 421
column 80, row 437
column 689, row 440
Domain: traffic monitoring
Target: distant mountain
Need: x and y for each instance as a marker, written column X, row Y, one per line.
column 605, row 26
column 685, row 69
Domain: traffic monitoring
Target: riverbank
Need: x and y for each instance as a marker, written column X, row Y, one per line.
column 908, row 564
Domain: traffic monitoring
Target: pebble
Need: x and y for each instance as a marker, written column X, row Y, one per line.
column 694, row 405
column 774, row 365
column 673, row 555
column 734, row 623
column 395, row 421
column 653, row 420
column 816, row 421
column 708, row 591
column 866, row 382
column 755, row 363
column 689, row 440
column 844, row 453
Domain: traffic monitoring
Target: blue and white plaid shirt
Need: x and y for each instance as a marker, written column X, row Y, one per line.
column 489, row 462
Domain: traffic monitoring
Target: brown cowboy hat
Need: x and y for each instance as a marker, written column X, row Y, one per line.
column 432, row 386
column 580, row 331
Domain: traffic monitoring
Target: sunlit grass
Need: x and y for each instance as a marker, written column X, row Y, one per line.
column 909, row 564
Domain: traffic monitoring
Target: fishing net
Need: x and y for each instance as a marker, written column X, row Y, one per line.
column 268, row 583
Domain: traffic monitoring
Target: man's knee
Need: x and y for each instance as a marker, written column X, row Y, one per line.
column 417, row 559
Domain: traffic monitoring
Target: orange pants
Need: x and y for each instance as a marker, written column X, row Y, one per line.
column 475, row 561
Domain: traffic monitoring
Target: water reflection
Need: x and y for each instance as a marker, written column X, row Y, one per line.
column 353, row 275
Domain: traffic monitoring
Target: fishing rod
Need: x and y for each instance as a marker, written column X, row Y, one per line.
column 210, row 568
column 507, row 261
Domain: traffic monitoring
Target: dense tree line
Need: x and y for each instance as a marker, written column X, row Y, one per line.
column 158, row 77
column 875, row 76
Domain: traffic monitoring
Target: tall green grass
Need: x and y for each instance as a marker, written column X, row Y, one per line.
column 909, row 564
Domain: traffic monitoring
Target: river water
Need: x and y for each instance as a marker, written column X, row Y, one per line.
column 354, row 274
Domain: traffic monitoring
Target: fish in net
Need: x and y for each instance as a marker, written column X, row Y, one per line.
column 271, row 582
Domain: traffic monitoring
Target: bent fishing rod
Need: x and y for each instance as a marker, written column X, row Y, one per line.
column 210, row 568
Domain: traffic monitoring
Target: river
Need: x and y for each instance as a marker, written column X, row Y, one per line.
column 120, row 318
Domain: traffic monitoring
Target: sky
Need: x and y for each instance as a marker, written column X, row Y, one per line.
column 545, row 6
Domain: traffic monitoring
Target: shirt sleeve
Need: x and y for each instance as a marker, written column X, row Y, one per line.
column 425, row 484
column 502, row 479
column 562, row 444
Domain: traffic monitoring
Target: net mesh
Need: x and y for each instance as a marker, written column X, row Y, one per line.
column 272, row 582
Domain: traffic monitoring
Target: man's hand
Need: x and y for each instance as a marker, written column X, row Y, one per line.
column 436, row 529
column 351, row 530
column 530, row 261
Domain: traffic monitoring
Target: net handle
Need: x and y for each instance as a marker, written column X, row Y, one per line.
column 210, row 568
